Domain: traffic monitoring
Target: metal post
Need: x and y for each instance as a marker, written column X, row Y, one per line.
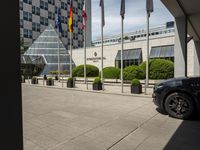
column 87, row 84
column 62, row 80
column 147, row 61
column 58, row 57
column 102, row 49
column 85, row 56
column 28, row 80
column 122, row 42
column 70, row 54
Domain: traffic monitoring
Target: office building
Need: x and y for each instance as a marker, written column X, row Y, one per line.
column 36, row 15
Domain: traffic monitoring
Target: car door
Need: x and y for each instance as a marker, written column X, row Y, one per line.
column 195, row 85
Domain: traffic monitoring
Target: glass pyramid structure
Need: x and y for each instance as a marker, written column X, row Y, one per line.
column 45, row 51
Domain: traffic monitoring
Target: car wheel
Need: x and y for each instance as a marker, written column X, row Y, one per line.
column 179, row 105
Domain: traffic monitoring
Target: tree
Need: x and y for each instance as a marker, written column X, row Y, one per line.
column 23, row 46
column 126, row 37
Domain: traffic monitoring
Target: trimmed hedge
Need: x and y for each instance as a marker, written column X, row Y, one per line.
column 111, row 73
column 70, row 79
column 55, row 72
column 159, row 69
column 132, row 72
column 97, row 80
column 91, row 71
column 49, row 79
column 135, row 82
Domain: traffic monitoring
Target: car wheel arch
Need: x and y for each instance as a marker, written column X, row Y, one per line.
column 178, row 91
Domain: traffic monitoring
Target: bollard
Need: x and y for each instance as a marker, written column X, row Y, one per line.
column 103, row 84
column 28, row 80
column 87, row 83
column 62, row 81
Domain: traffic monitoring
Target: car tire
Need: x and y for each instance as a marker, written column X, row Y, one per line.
column 179, row 105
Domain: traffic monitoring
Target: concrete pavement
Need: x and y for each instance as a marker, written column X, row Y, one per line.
column 60, row 119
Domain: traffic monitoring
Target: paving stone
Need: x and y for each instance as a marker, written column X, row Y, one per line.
column 60, row 119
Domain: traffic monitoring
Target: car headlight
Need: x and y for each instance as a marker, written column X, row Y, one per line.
column 156, row 87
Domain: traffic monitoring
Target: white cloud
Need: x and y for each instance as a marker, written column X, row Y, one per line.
column 135, row 16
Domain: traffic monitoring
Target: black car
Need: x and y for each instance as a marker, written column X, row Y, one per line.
column 178, row 97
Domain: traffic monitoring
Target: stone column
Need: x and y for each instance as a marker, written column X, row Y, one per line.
column 180, row 51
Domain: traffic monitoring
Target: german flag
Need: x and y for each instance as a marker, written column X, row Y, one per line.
column 71, row 17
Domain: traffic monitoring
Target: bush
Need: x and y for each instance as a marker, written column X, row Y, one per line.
column 70, row 79
column 34, row 78
column 159, row 69
column 91, row 71
column 55, row 72
column 64, row 72
column 111, row 73
column 49, row 79
column 132, row 72
column 97, row 80
column 135, row 82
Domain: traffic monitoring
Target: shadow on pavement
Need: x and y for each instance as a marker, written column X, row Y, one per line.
column 186, row 137
column 161, row 111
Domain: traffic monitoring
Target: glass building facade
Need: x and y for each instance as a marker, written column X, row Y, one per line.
column 130, row 57
column 163, row 52
column 46, row 50
column 36, row 15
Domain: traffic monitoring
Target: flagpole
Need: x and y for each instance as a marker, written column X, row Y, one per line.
column 70, row 54
column 58, row 58
column 85, row 28
column 85, row 55
column 102, row 49
column 147, row 61
column 122, row 42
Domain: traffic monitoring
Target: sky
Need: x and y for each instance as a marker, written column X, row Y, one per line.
column 135, row 16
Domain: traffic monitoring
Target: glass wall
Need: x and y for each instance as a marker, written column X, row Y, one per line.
column 46, row 49
column 130, row 57
column 163, row 52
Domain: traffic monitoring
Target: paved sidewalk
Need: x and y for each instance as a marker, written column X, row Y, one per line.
column 111, row 88
column 60, row 119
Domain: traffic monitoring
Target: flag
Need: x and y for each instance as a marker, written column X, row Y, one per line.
column 122, row 11
column 84, row 15
column 71, row 17
column 101, row 4
column 58, row 20
column 149, row 6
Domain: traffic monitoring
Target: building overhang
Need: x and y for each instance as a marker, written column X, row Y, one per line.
column 190, row 10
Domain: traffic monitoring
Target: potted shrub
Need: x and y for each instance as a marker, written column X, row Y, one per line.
column 55, row 74
column 136, row 86
column 22, row 79
column 50, row 82
column 34, row 80
column 97, row 84
column 71, row 82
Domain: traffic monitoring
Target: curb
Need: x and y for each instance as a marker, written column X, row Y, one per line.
column 90, row 91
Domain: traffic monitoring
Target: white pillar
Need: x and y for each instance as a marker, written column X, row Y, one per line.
column 197, row 58
column 180, row 51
